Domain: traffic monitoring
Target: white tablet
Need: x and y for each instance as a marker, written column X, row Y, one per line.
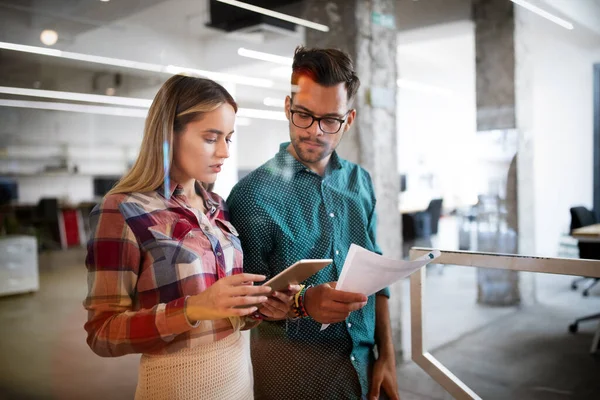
column 293, row 275
column 297, row 273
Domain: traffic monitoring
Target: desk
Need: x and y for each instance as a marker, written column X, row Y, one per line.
column 589, row 234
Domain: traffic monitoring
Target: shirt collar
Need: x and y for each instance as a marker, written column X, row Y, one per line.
column 288, row 162
column 175, row 189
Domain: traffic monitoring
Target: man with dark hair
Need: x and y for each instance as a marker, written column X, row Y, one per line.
column 308, row 203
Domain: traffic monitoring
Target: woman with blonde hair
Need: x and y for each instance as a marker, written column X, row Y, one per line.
column 165, row 265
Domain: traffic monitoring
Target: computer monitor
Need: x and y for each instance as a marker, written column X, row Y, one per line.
column 9, row 190
column 103, row 184
column 402, row 182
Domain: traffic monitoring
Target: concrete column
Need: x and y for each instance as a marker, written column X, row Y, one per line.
column 366, row 30
column 495, row 87
column 495, row 64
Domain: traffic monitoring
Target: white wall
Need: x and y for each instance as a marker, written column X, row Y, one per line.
column 555, row 118
column 259, row 141
column 436, row 117
column 70, row 188
column 96, row 144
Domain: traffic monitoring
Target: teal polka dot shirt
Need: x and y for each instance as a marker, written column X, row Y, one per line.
column 284, row 213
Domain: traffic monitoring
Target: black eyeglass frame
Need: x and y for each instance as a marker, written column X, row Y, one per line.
column 319, row 119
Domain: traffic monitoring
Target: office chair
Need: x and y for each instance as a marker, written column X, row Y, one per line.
column 580, row 217
column 416, row 225
column 47, row 223
column 435, row 211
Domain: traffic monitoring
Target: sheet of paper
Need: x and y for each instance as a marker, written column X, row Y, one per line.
column 367, row 272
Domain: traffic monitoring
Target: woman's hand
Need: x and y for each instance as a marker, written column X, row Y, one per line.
column 279, row 304
column 232, row 296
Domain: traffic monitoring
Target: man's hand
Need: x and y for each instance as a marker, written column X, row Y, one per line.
column 326, row 305
column 384, row 369
column 279, row 304
column 384, row 377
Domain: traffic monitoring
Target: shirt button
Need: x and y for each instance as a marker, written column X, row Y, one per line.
column 337, row 252
column 219, row 254
column 331, row 215
column 352, row 358
column 349, row 325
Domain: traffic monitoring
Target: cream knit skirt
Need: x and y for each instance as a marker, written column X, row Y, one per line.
column 214, row 371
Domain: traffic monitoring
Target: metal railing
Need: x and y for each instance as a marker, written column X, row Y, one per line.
column 435, row 369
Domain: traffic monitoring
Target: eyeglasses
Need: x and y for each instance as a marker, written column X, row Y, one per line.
column 330, row 125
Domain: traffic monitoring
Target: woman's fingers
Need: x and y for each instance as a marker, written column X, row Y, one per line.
column 241, row 301
column 240, row 312
column 247, row 290
column 240, row 279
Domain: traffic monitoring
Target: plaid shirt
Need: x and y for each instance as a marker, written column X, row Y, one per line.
column 146, row 255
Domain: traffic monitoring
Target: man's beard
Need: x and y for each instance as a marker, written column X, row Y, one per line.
column 311, row 155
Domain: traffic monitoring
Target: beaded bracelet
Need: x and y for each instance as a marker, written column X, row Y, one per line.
column 298, row 307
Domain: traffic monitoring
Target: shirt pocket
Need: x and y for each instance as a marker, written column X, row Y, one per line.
column 172, row 242
column 230, row 232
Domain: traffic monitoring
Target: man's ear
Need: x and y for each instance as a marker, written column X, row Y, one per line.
column 288, row 104
column 350, row 120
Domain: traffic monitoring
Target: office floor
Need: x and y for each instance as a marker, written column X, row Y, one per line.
column 501, row 353
column 521, row 353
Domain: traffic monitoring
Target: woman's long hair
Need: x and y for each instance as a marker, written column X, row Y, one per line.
column 180, row 100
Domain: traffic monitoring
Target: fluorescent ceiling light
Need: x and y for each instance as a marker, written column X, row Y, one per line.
column 278, row 15
column 272, row 102
column 84, row 97
column 80, row 108
column 543, row 13
column 259, row 55
column 142, row 111
column 142, row 66
column 423, row 87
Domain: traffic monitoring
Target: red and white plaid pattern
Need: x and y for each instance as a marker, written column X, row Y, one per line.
column 146, row 255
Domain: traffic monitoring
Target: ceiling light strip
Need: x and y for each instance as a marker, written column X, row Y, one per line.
column 109, row 110
column 543, row 13
column 142, row 66
column 259, row 55
column 85, row 97
column 79, row 108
